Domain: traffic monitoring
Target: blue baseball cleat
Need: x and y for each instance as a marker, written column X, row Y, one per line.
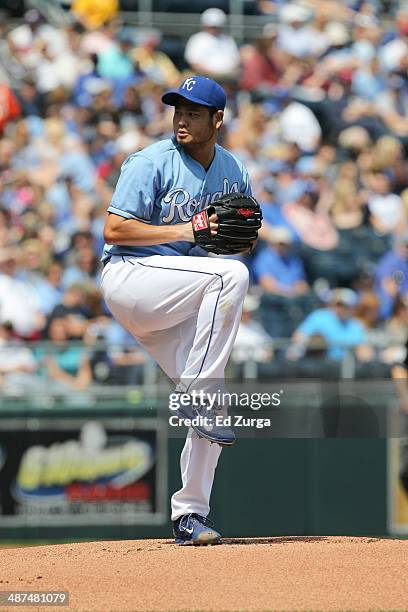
column 208, row 423
column 195, row 530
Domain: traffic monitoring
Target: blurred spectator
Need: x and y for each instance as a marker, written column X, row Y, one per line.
column 12, row 68
column 9, row 106
column 394, row 51
column 19, row 303
column 388, row 155
column 259, row 70
column 295, row 36
column 310, row 225
column 49, row 288
column 119, row 359
column 32, row 33
column 56, row 72
column 43, row 274
column 73, row 311
column 278, row 270
column 35, row 260
column 337, row 325
column 30, row 99
column 397, row 326
column 252, row 341
column 392, row 104
column 155, row 64
column 367, row 36
column 81, row 240
column 367, row 310
column 368, row 80
column 298, row 124
column 93, row 13
column 391, row 276
column 84, row 270
column 115, row 62
column 399, row 373
column 387, row 213
column 368, row 313
column 67, row 365
column 17, row 364
column 249, row 133
column 211, row 52
column 269, row 7
column 348, row 210
column 396, row 333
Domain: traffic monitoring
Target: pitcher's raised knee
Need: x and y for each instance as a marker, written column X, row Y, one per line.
column 238, row 274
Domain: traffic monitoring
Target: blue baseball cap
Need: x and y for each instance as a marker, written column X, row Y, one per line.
column 200, row 90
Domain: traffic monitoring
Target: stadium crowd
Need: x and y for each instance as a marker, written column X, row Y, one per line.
column 317, row 110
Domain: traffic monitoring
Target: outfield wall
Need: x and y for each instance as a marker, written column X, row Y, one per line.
column 108, row 472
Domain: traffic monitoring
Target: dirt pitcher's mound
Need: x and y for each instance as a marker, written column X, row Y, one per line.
column 283, row 573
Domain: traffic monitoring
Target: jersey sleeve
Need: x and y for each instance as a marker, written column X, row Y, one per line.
column 245, row 186
column 134, row 195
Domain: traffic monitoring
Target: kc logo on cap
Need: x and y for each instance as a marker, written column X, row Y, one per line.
column 199, row 90
column 188, row 84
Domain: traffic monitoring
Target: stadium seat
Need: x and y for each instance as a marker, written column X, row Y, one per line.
column 281, row 316
column 307, row 367
column 373, row 369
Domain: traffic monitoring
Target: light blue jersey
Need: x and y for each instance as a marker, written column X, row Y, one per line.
column 163, row 185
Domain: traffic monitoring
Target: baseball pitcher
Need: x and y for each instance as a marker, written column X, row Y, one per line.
column 175, row 202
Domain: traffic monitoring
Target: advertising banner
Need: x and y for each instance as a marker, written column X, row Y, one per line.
column 398, row 485
column 70, row 472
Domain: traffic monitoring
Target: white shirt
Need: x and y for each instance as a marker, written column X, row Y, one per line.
column 252, row 342
column 62, row 71
column 299, row 125
column 301, row 42
column 13, row 358
column 219, row 54
column 388, row 208
column 18, row 304
column 392, row 53
column 56, row 39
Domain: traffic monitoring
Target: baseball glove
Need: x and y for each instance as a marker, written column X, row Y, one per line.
column 239, row 219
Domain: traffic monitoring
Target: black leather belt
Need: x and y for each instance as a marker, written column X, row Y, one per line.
column 106, row 261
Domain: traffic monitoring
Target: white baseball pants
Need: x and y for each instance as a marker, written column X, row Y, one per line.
column 185, row 312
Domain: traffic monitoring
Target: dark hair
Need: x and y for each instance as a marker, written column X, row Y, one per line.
column 399, row 305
